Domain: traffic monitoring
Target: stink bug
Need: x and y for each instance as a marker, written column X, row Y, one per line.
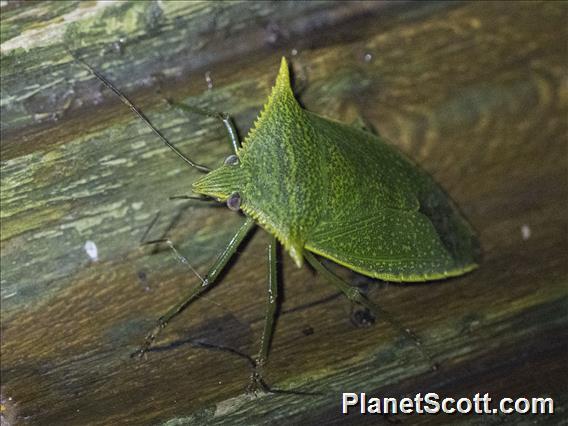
column 321, row 187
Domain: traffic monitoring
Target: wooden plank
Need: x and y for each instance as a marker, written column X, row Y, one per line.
column 474, row 93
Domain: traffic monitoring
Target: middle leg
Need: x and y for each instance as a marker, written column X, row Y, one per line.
column 256, row 381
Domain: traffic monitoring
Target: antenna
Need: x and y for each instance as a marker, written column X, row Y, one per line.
column 139, row 113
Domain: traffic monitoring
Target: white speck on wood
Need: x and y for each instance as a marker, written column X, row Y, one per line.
column 525, row 232
column 92, row 250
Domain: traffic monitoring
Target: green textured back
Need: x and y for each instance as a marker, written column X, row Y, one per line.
column 343, row 193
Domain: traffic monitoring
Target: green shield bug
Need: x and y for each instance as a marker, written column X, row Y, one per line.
column 321, row 187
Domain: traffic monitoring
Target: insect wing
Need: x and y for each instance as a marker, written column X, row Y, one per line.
column 393, row 245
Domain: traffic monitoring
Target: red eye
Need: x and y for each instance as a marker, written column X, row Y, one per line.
column 234, row 201
column 232, row 160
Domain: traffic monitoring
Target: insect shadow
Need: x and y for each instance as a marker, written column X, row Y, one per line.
column 236, row 331
column 323, row 188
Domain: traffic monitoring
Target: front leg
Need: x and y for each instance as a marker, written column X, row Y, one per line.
column 209, row 279
column 222, row 116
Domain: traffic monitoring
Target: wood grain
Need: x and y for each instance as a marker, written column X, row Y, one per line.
column 473, row 92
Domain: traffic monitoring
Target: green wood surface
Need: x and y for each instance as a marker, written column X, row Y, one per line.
column 473, row 92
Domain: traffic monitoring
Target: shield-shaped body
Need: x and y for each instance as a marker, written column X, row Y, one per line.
column 343, row 193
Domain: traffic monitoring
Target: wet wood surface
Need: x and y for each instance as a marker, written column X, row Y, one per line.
column 473, row 92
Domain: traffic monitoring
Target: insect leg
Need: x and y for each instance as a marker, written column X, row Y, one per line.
column 223, row 116
column 191, row 197
column 270, row 318
column 179, row 257
column 210, row 278
column 355, row 295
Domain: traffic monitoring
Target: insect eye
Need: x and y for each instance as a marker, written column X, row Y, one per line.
column 234, row 201
column 232, row 160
